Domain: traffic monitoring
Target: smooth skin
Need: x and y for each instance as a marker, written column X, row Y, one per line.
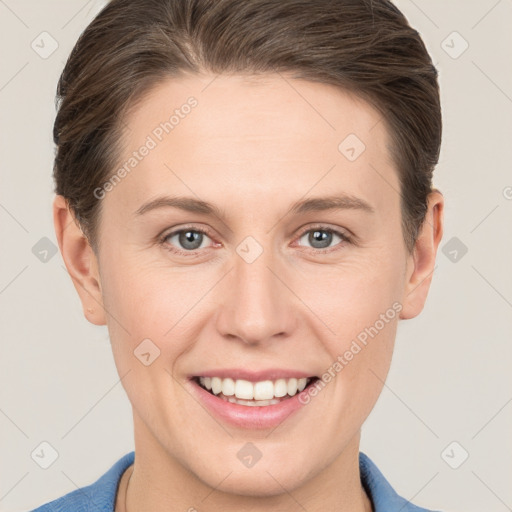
column 252, row 147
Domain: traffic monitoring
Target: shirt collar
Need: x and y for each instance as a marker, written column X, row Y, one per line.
column 379, row 490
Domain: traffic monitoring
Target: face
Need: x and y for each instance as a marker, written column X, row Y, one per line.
column 257, row 239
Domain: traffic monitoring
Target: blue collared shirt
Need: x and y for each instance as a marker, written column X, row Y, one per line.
column 101, row 495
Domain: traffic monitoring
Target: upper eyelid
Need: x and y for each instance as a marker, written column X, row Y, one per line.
column 346, row 237
column 322, row 227
column 166, row 233
column 325, row 227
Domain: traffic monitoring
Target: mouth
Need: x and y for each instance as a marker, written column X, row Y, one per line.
column 254, row 394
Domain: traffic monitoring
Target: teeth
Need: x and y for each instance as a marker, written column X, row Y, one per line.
column 241, row 390
column 301, row 384
column 244, row 389
column 264, row 390
column 280, row 388
column 251, row 403
column 228, row 387
column 292, row 387
column 216, row 385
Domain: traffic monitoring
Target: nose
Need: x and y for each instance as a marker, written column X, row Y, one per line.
column 257, row 306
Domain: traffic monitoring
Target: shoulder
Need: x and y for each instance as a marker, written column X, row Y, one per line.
column 98, row 497
column 382, row 495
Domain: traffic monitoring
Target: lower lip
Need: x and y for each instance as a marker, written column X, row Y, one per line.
column 246, row 416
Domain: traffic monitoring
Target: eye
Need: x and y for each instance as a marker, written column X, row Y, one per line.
column 185, row 241
column 321, row 237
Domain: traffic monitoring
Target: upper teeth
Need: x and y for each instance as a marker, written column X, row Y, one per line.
column 246, row 390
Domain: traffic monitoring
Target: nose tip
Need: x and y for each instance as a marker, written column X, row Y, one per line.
column 257, row 305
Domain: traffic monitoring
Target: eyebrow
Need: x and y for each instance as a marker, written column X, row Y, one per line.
column 339, row 202
column 190, row 204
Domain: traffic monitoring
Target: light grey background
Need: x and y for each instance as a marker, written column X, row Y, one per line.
column 450, row 377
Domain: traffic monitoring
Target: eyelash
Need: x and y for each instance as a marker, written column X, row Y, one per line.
column 344, row 240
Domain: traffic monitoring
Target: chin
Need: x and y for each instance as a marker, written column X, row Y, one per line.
column 257, row 483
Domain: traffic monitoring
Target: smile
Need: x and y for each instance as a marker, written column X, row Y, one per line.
column 262, row 393
column 249, row 399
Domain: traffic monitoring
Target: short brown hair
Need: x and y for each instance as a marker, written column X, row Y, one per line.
column 363, row 46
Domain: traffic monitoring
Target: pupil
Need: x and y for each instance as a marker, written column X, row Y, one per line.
column 324, row 237
column 188, row 239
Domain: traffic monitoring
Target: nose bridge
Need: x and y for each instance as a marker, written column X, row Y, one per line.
column 256, row 307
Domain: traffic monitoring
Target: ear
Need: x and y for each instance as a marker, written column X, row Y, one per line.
column 80, row 261
column 421, row 262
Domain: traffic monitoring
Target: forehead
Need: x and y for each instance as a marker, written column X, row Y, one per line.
column 258, row 134
column 245, row 107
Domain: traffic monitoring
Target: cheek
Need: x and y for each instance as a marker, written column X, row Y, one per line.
column 351, row 297
column 146, row 308
column 359, row 357
column 360, row 304
column 151, row 302
column 143, row 293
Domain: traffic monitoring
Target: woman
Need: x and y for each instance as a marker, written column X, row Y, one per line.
column 244, row 197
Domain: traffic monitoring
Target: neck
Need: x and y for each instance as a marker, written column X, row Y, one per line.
column 159, row 482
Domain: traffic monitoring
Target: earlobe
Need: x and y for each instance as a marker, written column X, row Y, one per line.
column 80, row 260
column 422, row 261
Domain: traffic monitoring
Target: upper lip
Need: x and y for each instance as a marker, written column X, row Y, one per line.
column 254, row 375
